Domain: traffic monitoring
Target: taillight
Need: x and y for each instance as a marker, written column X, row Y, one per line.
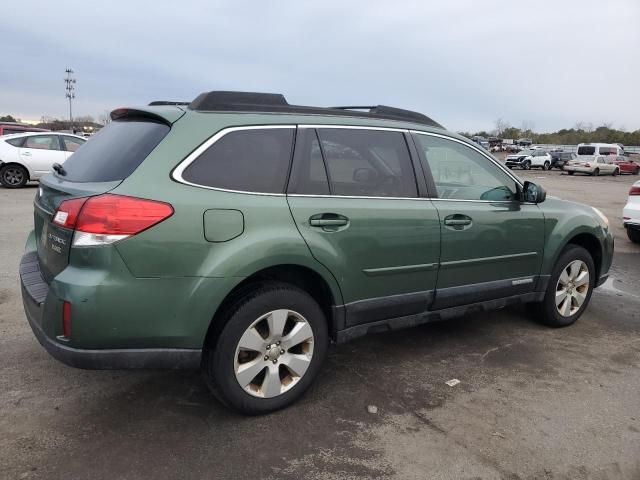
column 107, row 218
column 635, row 190
column 68, row 211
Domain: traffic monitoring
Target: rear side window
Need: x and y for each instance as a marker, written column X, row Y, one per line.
column 586, row 150
column 115, row 151
column 373, row 163
column 42, row 142
column 16, row 142
column 255, row 160
column 608, row 151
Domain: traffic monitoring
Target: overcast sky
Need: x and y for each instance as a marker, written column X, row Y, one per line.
column 465, row 63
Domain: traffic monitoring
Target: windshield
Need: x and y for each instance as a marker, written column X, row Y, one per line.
column 115, row 151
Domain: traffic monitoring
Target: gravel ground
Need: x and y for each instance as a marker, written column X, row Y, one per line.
column 532, row 402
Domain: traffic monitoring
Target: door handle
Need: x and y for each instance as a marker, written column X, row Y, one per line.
column 328, row 220
column 457, row 221
column 26, row 154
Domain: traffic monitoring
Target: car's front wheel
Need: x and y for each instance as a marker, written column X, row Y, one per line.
column 615, row 172
column 569, row 289
column 526, row 165
column 269, row 351
column 547, row 166
column 570, row 172
column 633, row 234
column 13, row 176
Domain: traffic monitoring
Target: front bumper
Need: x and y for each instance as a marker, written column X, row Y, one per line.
column 40, row 302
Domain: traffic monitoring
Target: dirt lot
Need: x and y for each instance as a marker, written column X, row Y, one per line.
column 532, row 402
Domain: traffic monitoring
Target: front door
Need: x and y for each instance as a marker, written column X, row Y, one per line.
column 354, row 199
column 492, row 244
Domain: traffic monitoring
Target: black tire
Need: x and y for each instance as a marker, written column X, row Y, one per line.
column 509, row 167
column 596, row 172
column 219, row 353
column 570, row 172
column 615, row 172
column 546, row 166
column 546, row 311
column 636, row 171
column 633, row 234
column 526, row 165
column 13, row 176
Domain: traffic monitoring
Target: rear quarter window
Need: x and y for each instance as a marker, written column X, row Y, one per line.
column 252, row 160
column 115, row 151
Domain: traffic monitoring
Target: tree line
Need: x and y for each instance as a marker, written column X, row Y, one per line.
column 582, row 132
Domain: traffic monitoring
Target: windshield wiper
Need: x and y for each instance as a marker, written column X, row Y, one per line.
column 59, row 169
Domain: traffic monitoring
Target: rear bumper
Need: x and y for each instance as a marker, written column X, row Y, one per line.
column 572, row 168
column 39, row 301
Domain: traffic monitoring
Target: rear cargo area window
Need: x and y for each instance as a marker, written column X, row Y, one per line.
column 254, row 160
column 115, row 151
column 586, row 150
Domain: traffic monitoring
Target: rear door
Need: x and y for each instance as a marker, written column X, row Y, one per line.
column 492, row 244
column 40, row 152
column 354, row 198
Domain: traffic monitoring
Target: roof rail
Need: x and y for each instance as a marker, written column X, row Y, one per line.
column 275, row 102
column 157, row 103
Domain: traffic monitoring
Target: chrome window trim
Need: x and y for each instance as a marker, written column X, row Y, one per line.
column 356, row 127
column 189, row 159
column 473, row 147
column 193, row 156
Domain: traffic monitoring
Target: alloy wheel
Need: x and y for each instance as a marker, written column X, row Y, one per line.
column 13, row 176
column 572, row 288
column 274, row 353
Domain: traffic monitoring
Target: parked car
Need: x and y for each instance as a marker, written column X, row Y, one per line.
column 560, row 158
column 631, row 213
column 8, row 128
column 240, row 234
column 599, row 149
column 525, row 142
column 527, row 159
column 513, row 148
column 626, row 165
column 592, row 166
column 28, row 156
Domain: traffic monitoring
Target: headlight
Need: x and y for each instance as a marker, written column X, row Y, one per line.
column 602, row 216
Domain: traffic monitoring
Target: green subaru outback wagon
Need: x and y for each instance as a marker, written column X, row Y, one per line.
column 241, row 234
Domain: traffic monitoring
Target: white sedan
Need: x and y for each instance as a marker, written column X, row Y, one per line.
column 631, row 213
column 592, row 165
column 29, row 156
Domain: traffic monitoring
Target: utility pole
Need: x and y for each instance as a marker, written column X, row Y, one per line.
column 70, row 88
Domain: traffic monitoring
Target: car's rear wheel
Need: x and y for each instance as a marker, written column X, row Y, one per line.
column 569, row 289
column 13, row 176
column 633, row 234
column 570, row 172
column 596, row 172
column 526, row 165
column 269, row 351
column 615, row 172
column 636, row 171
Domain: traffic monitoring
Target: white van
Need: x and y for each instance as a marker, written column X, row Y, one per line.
column 597, row 149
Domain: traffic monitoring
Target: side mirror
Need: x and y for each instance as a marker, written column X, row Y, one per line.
column 532, row 193
column 364, row 175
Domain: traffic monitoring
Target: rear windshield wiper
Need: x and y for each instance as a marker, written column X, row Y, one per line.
column 59, row 169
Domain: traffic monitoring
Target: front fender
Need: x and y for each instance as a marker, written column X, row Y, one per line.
column 564, row 221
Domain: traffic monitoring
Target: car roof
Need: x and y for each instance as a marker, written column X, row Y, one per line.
column 31, row 134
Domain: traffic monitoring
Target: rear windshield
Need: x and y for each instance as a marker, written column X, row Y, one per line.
column 586, row 150
column 115, row 151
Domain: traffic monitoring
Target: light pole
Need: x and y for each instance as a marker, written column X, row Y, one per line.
column 70, row 88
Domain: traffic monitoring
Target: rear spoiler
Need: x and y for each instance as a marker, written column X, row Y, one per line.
column 164, row 114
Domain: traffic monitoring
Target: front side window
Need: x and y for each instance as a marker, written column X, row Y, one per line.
column 373, row 163
column 42, row 142
column 253, row 160
column 71, row 144
column 462, row 173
